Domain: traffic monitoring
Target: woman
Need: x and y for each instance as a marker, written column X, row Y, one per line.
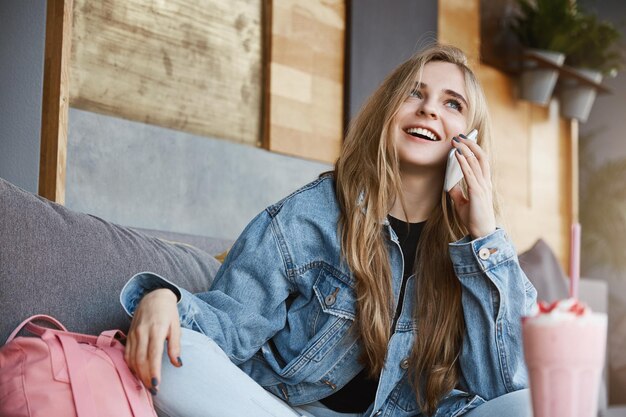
column 370, row 291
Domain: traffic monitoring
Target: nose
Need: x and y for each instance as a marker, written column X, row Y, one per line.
column 427, row 109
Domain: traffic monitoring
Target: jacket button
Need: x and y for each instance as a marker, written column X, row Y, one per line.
column 378, row 413
column 404, row 364
column 484, row 254
column 330, row 300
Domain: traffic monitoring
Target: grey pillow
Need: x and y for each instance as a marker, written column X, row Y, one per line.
column 214, row 246
column 544, row 271
column 72, row 265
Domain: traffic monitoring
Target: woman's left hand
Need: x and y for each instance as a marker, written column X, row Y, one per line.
column 476, row 210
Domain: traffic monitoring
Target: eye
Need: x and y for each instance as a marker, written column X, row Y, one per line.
column 455, row 104
column 416, row 93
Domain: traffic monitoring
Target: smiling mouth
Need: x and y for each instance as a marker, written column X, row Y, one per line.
column 422, row 133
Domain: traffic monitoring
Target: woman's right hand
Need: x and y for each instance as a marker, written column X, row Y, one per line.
column 155, row 320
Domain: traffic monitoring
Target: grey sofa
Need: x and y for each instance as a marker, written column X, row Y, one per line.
column 72, row 266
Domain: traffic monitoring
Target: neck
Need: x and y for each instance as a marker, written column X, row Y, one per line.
column 421, row 192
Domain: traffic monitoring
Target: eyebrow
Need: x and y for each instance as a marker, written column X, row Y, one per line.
column 446, row 91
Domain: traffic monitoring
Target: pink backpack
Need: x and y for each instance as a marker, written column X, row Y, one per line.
column 63, row 374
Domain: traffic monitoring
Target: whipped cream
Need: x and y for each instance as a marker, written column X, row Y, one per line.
column 567, row 310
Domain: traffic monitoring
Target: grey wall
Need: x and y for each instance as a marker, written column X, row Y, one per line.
column 607, row 124
column 383, row 34
column 22, row 41
column 607, row 114
column 146, row 176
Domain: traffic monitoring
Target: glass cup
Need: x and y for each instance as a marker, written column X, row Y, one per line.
column 565, row 359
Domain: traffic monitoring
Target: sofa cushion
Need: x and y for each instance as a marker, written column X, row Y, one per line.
column 544, row 271
column 72, row 265
column 214, row 246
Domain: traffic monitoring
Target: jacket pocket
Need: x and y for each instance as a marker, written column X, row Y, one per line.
column 335, row 296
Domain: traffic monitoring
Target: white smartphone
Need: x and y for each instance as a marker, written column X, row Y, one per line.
column 454, row 174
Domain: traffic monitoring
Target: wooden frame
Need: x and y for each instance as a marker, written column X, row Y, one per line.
column 55, row 101
column 155, row 85
column 266, row 59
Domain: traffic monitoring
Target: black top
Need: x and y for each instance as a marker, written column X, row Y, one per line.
column 357, row 395
column 408, row 238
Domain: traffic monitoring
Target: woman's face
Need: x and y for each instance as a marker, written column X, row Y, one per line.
column 435, row 112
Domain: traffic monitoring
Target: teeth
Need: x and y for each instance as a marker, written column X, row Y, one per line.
column 421, row 131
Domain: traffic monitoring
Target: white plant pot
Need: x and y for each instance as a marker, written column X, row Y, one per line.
column 576, row 98
column 537, row 81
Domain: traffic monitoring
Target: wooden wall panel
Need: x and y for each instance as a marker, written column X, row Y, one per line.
column 305, row 78
column 187, row 65
column 459, row 25
column 533, row 153
column 535, row 150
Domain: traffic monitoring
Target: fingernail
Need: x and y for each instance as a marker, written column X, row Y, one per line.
column 180, row 361
column 463, row 136
column 154, row 381
column 459, row 151
column 456, row 139
column 153, row 391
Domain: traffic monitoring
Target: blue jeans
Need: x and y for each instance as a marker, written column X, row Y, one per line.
column 210, row 385
column 513, row 404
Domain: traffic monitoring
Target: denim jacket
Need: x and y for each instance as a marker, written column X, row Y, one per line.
column 282, row 307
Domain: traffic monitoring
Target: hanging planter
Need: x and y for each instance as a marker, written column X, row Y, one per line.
column 542, row 27
column 593, row 53
column 538, row 76
column 576, row 98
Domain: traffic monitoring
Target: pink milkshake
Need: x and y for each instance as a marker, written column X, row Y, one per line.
column 564, row 348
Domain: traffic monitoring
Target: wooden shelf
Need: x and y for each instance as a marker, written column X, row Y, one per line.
column 568, row 72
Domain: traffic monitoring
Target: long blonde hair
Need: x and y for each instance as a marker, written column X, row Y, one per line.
column 368, row 181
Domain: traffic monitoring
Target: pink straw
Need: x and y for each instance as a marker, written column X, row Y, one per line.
column 574, row 260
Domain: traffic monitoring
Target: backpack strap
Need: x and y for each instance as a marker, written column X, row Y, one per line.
column 75, row 360
column 33, row 328
column 134, row 390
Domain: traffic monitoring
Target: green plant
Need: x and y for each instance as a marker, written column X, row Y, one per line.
column 559, row 26
column 594, row 45
column 545, row 24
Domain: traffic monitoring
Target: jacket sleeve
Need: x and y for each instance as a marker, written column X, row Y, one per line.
column 496, row 294
column 246, row 303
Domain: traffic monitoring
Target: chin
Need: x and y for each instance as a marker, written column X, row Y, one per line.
column 421, row 160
